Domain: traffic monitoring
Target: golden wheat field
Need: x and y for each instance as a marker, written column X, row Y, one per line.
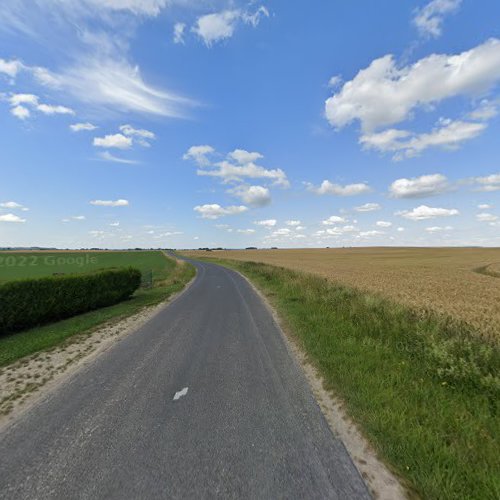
column 443, row 279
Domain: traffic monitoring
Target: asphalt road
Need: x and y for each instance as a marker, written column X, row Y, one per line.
column 203, row 401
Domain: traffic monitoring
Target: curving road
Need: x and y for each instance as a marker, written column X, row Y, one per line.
column 203, row 401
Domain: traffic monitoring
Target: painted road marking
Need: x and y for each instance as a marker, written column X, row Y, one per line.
column 180, row 393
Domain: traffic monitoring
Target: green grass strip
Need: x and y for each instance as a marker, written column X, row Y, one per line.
column 172, row 279
column 423, row 389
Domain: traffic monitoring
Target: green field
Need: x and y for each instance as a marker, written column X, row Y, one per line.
column 19, row 265
column 169, row 277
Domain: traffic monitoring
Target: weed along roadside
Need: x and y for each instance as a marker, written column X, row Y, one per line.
column 423, row 388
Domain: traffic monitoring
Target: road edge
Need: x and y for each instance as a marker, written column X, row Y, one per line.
column 380, row 480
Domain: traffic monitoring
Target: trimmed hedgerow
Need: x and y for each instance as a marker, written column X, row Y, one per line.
column 28, row 303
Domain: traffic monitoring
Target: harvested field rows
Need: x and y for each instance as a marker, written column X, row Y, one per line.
column 441, row 279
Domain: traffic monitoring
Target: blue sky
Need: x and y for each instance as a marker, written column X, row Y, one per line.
column 187, row 123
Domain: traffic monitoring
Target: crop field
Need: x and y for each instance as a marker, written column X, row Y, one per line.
column 19, row 265
column 460, row 282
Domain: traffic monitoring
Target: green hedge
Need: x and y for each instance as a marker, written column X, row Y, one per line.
column 32, row 302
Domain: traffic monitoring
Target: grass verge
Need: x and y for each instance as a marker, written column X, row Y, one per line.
column 168, row 281
column 421, row 387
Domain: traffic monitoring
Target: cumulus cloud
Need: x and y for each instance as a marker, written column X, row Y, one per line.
column 370, row 234
column 486, row 217
column 488, row 183
column 11, row 218
column 23, row 104
column 430, row 17
column 218, row 26
column 424, row 212
column 293, row 223
column 10, row 68
column 79, row 127
column 447, row 134
column 266, row 222
column 20, row 112
column 245, row 231
column 368, row 207
column 110, row 203
column 13, row 205
column 141, row 136
column 199, row 154
column 328, row 187
column 255, row 196
column 334, row 219
column 484, row 206
column 49, row 109
column 215, row 211
column 118, row 141
column 238, row 166
column 383, row 223
column 419, row 187
column 384, row 94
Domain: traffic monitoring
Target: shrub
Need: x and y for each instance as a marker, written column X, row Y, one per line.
column 32, row 302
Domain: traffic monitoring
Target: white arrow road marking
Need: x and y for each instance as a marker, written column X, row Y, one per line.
column 180, row 393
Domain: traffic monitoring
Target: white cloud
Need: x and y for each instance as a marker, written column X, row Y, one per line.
column 110, row 203
column 484, row 206
column 383, row 223
column 49, row 109
column 370, row 234
column 486, row 111
column 243, row 157
column 281, row 232
column 341, row 230
column 11, row 218
column 179, row 29
column 293, row 223
column 16, row 99
column 383, row 94
column 218, row 26
column 485, row 217
column 368, row 207
column 438, row 229
column 78, row 217
column 20, row 103
column 107, row 156
column 114, row 224
column 78, row 127
column 266, row 223
column 118, row 141
column 424, row 212
column 10, row 68
column 334, row 219
column 13, row 205
column 255, row 196
column 419, row 187
column 140, row 136
column 429, row 18
column 328, row 187
column 245, row 231
column 488, row 183
column 199, row 154
column 240, row 165
column 400, row 229
column 20, row 112
column 447, row 134
column 214, row 211
column 111, row 84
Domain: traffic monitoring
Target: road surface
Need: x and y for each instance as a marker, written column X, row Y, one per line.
column 203, row 401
